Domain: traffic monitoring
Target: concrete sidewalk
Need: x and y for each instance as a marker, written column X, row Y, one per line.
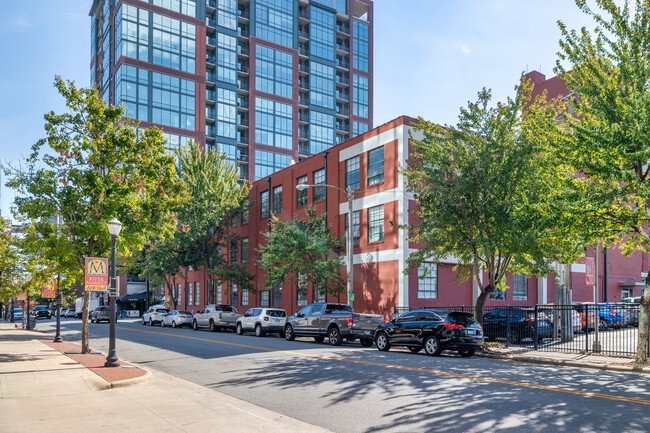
column 43, row 389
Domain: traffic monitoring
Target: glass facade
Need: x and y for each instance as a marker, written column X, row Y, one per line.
column 226, row 58
column 274, row 72
column 267, row 163
column 226, row 113
column 185, row 7
column 360, row 103
column 274, row 21
column 321, row 132
column 227, row 14
column 322, row 33
column 361, row 50
column 359, row 128
column 321, row 85
column 273, row 124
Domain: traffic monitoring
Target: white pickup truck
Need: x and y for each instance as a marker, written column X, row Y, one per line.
column 216, row 317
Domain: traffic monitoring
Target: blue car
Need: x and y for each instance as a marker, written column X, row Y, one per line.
column 522, row 325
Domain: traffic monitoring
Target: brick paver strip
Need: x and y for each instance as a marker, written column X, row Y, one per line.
column 94, row 361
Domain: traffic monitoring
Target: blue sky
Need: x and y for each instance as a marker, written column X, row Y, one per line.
column 431, row 57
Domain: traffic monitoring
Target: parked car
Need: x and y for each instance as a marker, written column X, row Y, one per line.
column 18, row 314
column 42, row 312
column 632, row 307
column 262, row 321
column 522, row 324
column 609, row 316
column 102, row 313
column 433, row 331
column 154, row 315
column 176, row 319
column 554, row 313
column 334, row 321
column 216, row 317
column 64, row 311
column 70, row 312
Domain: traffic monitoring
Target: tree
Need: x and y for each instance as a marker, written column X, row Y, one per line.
column 99, row 168
column 488, row 193
column 9, row 262
column 303, row 249
column 607, row 130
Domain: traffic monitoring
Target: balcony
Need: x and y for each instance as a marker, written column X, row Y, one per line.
column 342, row 64
column 242, row 104
column 343, row 48
column 243, row 123
column 210, row 131
column 242, row 86
column 211, row 4
column 303, row 35
column 211, row 95
column 303, row 101
column 303, row 84
column 303, row 149
column 303, row 118
column 303, row 15
column 211, row 77
column 211, row 59
column 342, row 80
column 211, row 22
column 303, row 68
column 242, row 158
column 343, row 96
column 242, row 68
column 242, row 32
column 243, row 14
column 242, row 139
column 211, row 41
column 210, row 113
column 342, row 127
column 342, row 111
column 244, row 51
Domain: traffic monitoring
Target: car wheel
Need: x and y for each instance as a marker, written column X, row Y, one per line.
column 467, row 353
column 288, row 333
column 239, row 329
column 174, row 325
column 195, row 325
column 319, row 339
column 414, row 349
column 432, row 346
column 144, row 322
column 258, row 331
column 366, row 342
column 335, row 336
column 603, row 324
column 213, row 328
column 382, row 342
column 150, row 322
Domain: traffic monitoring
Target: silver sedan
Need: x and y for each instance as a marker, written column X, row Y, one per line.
column 176, row 319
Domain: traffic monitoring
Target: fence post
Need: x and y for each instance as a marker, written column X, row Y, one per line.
column 587, row 328
column 507, row 326
column 535, row 331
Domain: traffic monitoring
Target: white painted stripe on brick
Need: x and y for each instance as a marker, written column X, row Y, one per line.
column 372, row 143
column 378, row 256
column 366, row 202
column 578, row 267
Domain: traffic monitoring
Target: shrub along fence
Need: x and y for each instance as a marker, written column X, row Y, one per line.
column 610, row 329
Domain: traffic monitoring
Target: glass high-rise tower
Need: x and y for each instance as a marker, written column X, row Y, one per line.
column 265, row 81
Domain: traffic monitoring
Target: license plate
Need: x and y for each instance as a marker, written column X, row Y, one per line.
column 470, row 331
column 367, row 332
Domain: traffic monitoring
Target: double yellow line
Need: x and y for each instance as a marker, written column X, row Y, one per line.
column 415, row 369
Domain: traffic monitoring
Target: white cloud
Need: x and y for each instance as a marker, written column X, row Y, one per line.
column 465, row 49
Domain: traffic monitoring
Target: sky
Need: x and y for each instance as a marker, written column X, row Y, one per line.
column 430, row 58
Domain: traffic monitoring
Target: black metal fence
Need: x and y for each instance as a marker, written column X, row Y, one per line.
column 610, row 329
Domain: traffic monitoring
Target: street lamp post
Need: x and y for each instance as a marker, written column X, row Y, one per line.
column 349, row 245
column 59, row 297
column 114, row 227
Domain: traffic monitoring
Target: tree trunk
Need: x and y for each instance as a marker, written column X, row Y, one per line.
column 642, row 343
column 480, row 301
column 85, row 344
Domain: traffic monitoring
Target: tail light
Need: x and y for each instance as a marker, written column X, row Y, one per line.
column 266, row 318
column 530, row 319
column 453, row 326
column 350, row 322
column 480, row 328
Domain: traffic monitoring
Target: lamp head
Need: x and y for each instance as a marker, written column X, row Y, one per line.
column 302, row 187
column 114, row 227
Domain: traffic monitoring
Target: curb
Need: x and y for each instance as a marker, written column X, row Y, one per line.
column 566, row 363
column 136, row 380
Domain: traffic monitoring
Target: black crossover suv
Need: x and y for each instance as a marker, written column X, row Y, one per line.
column 433, row 331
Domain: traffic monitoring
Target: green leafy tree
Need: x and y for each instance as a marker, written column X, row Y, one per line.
column 93, row 166
column 488, row 194
column 606, row 131
column 303, row 249
column 163, row 264
column 9, row 262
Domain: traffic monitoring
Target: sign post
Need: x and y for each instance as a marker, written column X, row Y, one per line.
column 96, row 274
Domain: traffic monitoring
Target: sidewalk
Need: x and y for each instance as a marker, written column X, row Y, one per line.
column 47, row 389
column 582, row 360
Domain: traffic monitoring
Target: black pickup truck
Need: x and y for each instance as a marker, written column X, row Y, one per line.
column 334, row 321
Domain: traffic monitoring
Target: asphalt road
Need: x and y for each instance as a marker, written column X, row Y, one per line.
column 351, row 389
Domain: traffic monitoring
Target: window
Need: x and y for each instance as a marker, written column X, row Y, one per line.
column 301, row 293
column 376, row 166
column 321, row 85
column 406, row 318
column 352, row 179
column 355, row 227
column 359, row 128
column 274, row 73
column 234, row 252
column 197, row 293
column 360, row 96
column 190, row 293
column 267, row 163
column 244, row 250
column 264, row 298
column 428, row 281
column 520, row 288
column 244, row 297
column 277, row 200
column 376, row 223
column 319, row 191
column 264, row 204
column 273, row 124
column 274, row 21
column 234, row 294
column 217, row 299
column 179, row 292
column 245, row 217
column 301, row 195
column 321, row 132
column 361, row 50
column 322, row 35
column 498, row 295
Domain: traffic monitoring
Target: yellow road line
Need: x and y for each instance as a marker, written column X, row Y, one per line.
column 415, row 369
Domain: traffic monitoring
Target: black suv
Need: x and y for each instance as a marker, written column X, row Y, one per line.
column 42, row 312
column 433, row 331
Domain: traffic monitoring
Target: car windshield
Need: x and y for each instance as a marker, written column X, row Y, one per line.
column 161, row 310
column 276, row 313
column 464, row 319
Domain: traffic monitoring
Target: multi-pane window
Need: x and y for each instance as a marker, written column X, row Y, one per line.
column 172, row 101
column 234, row 293
column 185, row 7
column 267, row 163
column 321, row 132
column 376, row 223
column 274, row 21
column 174, row 44
column 360, row 57
column 277, row 200
column 321, row 85
column 352, row 176
column 132, row 33
column 234, row 251
column 132, row 90
column 226, row 14
column 355, row 227
column 301, row 293
column 226, row 58
column 428, row 281
column 197, row 293
column 273, row 123
column 319, row 179
column 322, row 33
column 245, row 217
column 301, row 194
column 360, row 94
column 273, row 71
column 520, row 288
column 244, row 250
column 190, row 293
column 244, row 297
column 217, row 298
column 376, row 166
column 264, row 204
column 179, row 293
column 265, row 298
column 498, row 295
column 277, row 295
column 226, row 113
column 359, row 128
